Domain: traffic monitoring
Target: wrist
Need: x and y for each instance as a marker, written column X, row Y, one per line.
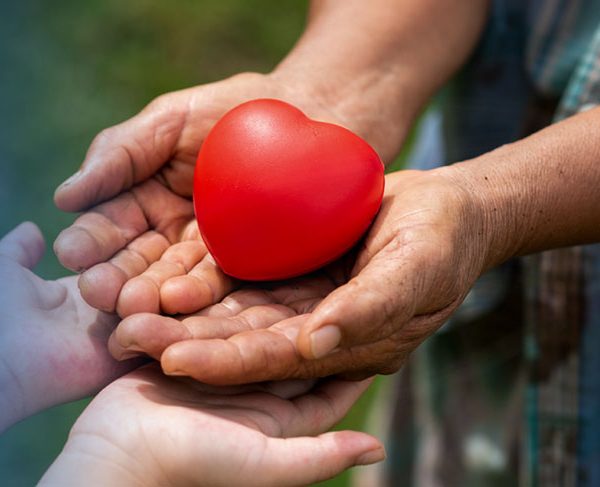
column 538, row 193
column 502, row 201
column 483, row 227
column 376, row 66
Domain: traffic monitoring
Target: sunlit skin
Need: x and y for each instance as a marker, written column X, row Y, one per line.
column 137, row 242
column 147, row 429
column 436, row 233
column 416, row 230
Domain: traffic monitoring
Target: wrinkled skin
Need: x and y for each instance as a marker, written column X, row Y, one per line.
column 52, row 344
column 136, row 184
column 421, row 256
column 143, row 254
column 176, row 432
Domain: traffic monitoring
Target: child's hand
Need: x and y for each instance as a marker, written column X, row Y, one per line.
column 52, row 344
column 148, row 429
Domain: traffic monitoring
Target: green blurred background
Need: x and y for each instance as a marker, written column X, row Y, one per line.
column 70, row 68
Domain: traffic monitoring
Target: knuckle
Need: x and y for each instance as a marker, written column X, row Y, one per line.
column 393, row 366
column 103, row 137
column 159, row 103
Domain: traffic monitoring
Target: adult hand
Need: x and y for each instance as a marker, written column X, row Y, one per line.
column 148, row 429
column 420, row 258
column 436, row 232
column 52, row 344
column 136, row 186
column 370, row 69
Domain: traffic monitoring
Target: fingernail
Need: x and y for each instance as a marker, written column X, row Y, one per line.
column 370, row 457
column 127, row 354
column 71, row 179
column 325, row 340
column 174, row 372
column 133, row 347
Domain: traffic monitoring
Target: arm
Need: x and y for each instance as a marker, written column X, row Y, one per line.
column 540, row 193
column 377, row 64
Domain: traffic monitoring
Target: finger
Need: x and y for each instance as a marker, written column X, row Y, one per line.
column 238, row 301
column 100, row 286
column 124, row 155
column 304, row 460
column 254, row 356
column 97, row 235
column 371, row 306
column 287, row 389
column 323, row 407
column 258, row 356
column 24, row 244
column 145, row 333
column 142, row 293
column 152, row 334
column 271, row 354
column 204, row 284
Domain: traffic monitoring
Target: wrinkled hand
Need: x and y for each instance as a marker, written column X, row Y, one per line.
column 135, row 187
column 52, row 344
column 148, row 429
column 421, row 256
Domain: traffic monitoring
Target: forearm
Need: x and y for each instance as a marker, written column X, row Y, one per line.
column 540, row 193
column 377, row 63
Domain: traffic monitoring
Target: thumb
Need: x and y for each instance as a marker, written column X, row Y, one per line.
column 370, row 307
column 124, row 155
column 306, row 460
column 24, row 244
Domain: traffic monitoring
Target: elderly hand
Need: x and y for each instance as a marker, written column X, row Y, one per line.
column 148, row 429
column 52, row 344
column 135, row 187
column 437, row 231
column 420, row 258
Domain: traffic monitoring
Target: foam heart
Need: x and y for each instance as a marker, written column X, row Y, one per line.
column 277, row 194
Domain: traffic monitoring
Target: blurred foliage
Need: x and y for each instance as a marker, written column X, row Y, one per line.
column 69, row 69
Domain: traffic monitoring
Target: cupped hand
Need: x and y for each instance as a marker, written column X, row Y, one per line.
column 363, row 316
column 148, row 429
column 135, row 189
column 52, row 344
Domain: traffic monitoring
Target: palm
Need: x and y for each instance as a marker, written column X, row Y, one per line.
column 184, row 433
column 148, row 162
column 253, row 307
column 412, row 271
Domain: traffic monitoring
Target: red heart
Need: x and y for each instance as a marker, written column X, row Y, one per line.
column 277, row 194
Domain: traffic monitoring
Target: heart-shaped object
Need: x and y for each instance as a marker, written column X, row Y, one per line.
column 277, row 194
